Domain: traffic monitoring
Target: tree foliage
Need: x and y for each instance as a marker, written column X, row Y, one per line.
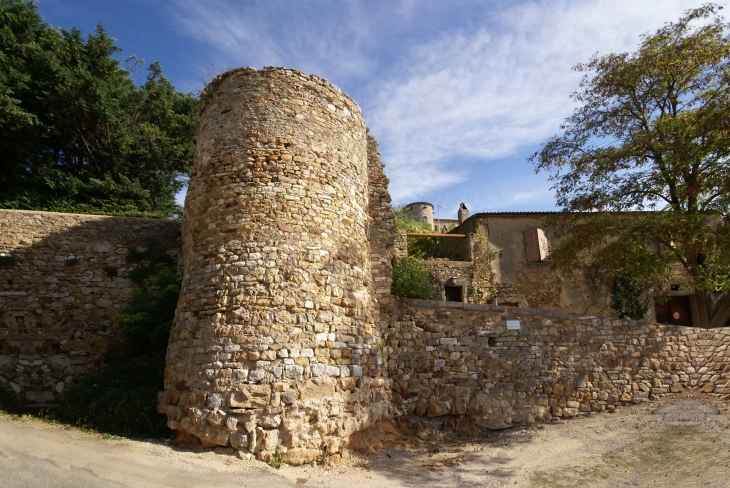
column 626, row 298
column 418, row 247
column 76, row 133
column 652, row 133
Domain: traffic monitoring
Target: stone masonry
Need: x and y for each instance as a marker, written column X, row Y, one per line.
column 277, row 334
column 460, row 359
column 63, row 278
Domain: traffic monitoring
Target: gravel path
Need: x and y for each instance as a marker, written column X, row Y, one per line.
column 683, row 442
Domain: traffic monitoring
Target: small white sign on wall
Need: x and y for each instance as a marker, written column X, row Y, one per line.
column 513, row 325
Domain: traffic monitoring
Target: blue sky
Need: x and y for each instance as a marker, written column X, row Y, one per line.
column 458, row 93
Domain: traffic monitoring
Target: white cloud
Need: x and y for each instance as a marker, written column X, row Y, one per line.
column 466, row 81
column 482, row 94
column 328, row 38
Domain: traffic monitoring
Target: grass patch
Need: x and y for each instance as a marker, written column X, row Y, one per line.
column 277, row 459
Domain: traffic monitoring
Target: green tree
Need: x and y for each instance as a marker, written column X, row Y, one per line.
column 76, row 133
column 652, row 133
column 418, row 247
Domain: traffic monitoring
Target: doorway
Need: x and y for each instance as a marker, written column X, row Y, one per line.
column 454, row 293
column 675, row 311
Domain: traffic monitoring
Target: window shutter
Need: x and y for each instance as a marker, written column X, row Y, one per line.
column 536, row 246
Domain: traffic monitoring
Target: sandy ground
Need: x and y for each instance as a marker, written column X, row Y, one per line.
column 680, row 442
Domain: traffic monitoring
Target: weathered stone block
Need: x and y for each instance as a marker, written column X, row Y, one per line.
column 250, row 396
column 318, row 388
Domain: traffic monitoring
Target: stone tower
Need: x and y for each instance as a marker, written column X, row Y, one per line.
column 276, row 338
column 422, row 212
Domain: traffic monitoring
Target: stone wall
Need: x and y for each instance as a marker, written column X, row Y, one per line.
column 460, row 359
column 60, row 282
column 382, row 232
column 277, row 334
column 450, row 273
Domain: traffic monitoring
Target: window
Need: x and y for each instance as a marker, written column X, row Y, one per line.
column 453, row 293
column 424, row 219
column 536, row 246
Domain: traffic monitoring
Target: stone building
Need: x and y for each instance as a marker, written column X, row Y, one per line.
column 424, row 212
column 523, row 274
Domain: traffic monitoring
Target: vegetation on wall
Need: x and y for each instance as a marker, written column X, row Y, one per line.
column 411, row 279
column 418, row 247
column 78, row 133
column 626, row 298
column 121, row 397
column 484, row 280
column 651, row 133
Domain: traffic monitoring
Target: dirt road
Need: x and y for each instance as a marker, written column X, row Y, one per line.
column 681, row 442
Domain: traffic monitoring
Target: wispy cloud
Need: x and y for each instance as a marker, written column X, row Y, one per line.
column 330, row 38
column 483, row 94
column 462, row 81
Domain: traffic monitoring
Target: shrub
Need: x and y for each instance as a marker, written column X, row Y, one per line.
column 411, row 279
column 626, row 298
column 9, row 402
column 119, row 398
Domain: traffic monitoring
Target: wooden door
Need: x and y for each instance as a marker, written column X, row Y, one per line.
column 674, row 311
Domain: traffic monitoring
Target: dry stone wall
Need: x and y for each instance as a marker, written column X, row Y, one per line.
column 462, row 360
column 61, row 278
column 277, row 334
column 382, row 232
column 450, row 273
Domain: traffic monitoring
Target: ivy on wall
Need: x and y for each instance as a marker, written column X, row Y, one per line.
column 626, row 298
column 484, row 279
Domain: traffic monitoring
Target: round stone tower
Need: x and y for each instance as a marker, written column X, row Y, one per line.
column 422, row 212
column 275, row 338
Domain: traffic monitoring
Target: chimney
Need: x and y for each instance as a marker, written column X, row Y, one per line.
column 463, row 213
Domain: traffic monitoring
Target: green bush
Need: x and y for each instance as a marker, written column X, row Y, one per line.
column 411, row 279
column 9, row 402
column 119, row 398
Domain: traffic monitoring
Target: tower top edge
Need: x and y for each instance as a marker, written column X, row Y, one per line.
column 268, row 71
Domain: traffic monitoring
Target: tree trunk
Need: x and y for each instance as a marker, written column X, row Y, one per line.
column 712, row 309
